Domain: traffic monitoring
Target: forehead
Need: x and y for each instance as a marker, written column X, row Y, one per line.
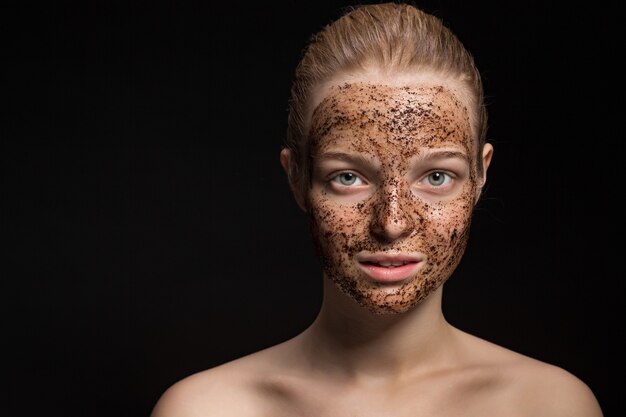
column 396, row 81
column 428, row 112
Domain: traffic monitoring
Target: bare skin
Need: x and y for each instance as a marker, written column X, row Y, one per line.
column 379, row 347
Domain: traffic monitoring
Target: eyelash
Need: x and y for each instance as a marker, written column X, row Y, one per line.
column 447, row 178
column 336, row 178
column 359, row 181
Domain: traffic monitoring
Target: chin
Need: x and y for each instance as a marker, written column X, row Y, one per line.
column 387, row 308
column 390, row 300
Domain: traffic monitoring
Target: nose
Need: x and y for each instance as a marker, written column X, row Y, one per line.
column 391, row 220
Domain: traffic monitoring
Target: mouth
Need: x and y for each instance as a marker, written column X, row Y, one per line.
column 390, row 268
column 387, row 264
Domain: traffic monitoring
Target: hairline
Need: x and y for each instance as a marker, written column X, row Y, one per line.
column 396, row 78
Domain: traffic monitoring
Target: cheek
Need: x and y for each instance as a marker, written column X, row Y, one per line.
column 446, row 234
column 345, row 228
column 445, row 220
column 336, row 225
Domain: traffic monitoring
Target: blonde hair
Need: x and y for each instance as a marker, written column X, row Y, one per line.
column 396, row 37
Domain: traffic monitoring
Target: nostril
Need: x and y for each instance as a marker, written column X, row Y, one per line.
column 390, row 227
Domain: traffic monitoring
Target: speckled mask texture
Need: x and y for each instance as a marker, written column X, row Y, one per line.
column 395, row 142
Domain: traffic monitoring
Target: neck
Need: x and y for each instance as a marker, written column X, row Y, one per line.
column 348, row 339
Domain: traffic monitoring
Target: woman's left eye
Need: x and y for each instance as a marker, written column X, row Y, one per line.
column 347, row 178
column 438, row 178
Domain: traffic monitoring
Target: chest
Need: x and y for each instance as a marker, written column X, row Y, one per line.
column 445, row 398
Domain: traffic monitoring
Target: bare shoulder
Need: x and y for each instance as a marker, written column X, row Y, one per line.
column 221, row 391
column 535, row 388
column 549, row 390
column 230, row 389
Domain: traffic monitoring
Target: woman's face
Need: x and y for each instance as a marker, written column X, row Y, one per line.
column 394, row 184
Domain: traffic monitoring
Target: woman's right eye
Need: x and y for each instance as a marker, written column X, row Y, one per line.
column 347, row 179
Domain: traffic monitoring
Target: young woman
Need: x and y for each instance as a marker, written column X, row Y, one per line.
column 386, row 154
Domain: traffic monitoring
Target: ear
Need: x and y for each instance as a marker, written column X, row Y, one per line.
column 487, row 154
column 286, row 160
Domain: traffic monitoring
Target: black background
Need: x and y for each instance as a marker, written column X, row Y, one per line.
column 149, row 231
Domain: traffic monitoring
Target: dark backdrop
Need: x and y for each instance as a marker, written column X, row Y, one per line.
column 149, row 231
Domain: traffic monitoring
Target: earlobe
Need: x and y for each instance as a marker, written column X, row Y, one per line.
column 487, row 154
column 286, row 160
column 285, row 157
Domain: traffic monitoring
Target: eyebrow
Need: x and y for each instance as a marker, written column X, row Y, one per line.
column 361, row 160
column 443, row 154
column 346, row 157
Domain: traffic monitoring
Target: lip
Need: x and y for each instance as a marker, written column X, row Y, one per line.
column 369, row 262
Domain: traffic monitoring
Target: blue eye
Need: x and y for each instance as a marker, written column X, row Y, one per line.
column 348, row 178
column 438, row 178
